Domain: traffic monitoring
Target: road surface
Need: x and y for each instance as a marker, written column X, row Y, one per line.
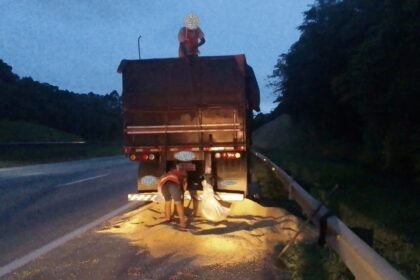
column 44, row 211
column 40, row 203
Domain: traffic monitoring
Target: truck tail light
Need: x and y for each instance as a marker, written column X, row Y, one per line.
column 148, row 157
column 133, row 157
column 228, row 155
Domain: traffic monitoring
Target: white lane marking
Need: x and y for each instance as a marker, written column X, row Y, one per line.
column 60, row 241
column 82, row 180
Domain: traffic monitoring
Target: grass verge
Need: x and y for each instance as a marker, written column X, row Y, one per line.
column 303, row 260
column 20, row 131
column 381, row 209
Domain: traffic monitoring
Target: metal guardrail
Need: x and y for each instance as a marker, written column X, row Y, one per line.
column 359, row 258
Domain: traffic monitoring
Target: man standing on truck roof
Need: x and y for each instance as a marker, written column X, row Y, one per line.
column 190, row 36
column 172, row 185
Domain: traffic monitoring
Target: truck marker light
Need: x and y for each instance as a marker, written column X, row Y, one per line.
column 217, row 155
column 133, row 157
column 151, row 156
column 230, row 155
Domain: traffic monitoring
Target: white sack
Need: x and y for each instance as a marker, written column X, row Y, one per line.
column 211, row 209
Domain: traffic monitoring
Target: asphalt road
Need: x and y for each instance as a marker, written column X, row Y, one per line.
column 40, row 203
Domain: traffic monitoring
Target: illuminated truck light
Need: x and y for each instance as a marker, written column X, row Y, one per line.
column 227, row 155
column 148, row 157
column 143, row 157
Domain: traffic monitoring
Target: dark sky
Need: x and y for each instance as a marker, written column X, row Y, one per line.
column 78, row 44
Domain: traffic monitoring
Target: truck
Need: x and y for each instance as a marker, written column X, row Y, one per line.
column 191, row 112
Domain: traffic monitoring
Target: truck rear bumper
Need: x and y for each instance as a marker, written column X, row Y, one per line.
column 155, row 196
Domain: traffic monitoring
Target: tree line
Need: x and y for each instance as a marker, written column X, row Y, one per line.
column 91, row 116
column 354, row 75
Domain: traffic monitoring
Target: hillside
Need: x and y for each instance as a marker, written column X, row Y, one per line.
column 353, row 76
column 20, row 131
column 90, row 116
column 275, row 133
column 382, row 206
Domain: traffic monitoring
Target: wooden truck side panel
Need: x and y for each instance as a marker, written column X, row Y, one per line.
column 203, row 104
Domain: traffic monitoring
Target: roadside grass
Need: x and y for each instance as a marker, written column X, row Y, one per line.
column 18, row 145
column 382, row 210
column 310, row 261
column 17, row 155
column 20, row 131
column 303, row 260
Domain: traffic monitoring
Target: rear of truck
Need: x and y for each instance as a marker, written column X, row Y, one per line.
column 192, row 113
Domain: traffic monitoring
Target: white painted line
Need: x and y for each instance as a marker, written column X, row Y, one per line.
column 82, row 180
column 60, row 241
